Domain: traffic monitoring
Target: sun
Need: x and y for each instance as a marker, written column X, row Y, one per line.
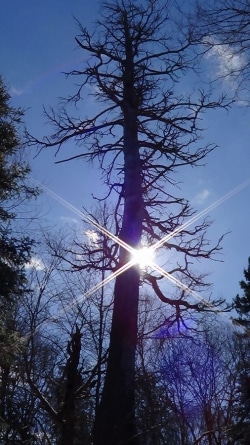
column 144, row 257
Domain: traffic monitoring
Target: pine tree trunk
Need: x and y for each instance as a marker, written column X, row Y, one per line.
column 115, row 422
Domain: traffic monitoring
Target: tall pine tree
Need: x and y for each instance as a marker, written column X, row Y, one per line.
column 242, row 304
column 15, row 248
column 241, row 429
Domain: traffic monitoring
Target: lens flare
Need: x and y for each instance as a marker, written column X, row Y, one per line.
column 144, row 257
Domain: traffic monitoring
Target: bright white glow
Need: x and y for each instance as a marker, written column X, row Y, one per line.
column 92, row 236
column 35, row 263
column 144, row 257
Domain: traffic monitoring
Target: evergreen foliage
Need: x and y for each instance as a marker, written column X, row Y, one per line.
column 241, row 429
column 15, row 248
column 242, row 303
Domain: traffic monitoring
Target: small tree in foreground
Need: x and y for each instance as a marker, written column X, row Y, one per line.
column 145, row 130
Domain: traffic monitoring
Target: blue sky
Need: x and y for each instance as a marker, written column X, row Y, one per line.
column 37, row 44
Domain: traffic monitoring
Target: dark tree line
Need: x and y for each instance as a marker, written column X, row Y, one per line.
column 186, row 381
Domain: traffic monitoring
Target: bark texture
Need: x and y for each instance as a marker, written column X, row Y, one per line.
column 115, row 422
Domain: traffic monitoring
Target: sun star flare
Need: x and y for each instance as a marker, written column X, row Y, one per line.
column 144, row 257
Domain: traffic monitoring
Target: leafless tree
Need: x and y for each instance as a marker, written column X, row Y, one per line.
column 223, row 27
column 51, row 389
column 145, row 128
column 201, row 383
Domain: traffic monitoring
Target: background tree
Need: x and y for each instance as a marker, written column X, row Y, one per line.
column 185, row 380
column 144, row 130
column 13, row 190
column 188, row 379
column 156, row 419
column 62, row 362
column 241, row 429
column 50, row 387
column 242, row 303
column 15, row 249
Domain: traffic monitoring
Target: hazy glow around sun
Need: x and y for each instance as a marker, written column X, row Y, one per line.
column 144, row 257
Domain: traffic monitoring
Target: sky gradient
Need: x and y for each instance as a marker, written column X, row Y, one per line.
column 37, row 45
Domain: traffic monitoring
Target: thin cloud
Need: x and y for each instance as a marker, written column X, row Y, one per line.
column 202, row 196
column 16, row 91
column 68, row 220
column 228, row 62
column 35, row 263
column 93, row 237
column 23, row 90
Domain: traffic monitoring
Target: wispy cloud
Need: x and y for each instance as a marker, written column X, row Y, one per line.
column 68, row 220
column 14, row 91
column 201, row 197
column 228, row 61
column 35, row 263
column 93, row 237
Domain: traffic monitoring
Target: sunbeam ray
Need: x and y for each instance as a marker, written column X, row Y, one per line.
column 195, row 294
column 133, row 251
column 85, row 217
column 109, row 234
column 163, row 240
column 88, row 293
column 200, row 214
column 182, row 286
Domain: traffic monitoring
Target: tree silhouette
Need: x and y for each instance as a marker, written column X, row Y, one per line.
column 241, row 428
column 15, row 248
column 145, row 128
column 242, row 304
